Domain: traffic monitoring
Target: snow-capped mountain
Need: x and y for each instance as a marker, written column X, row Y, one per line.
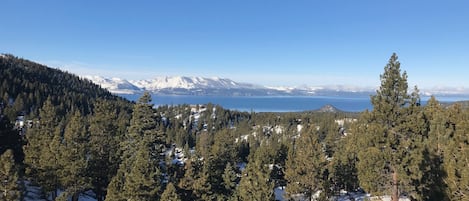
column 179, row 85
column 177, row 82
column 114, row 85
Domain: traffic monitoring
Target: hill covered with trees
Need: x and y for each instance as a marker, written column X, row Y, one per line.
column 84, row 142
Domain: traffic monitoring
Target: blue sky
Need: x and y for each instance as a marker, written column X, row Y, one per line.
column 268, row 42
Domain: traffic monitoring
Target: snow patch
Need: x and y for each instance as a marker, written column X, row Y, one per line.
column 299, row 127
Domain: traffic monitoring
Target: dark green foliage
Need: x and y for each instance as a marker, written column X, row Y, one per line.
column 104, row 151
column 392, row 137
column 72, row 158
column 29, row 84
column 203, row 186
column 46, row 98
column 10, row 138
column 344, row 173
column 42, row 149
column 143, row 124
column 9, row 178
column 83, row 138
column 186, row 184
column 306, row 167
column 256, row 183
column 139, row 176
column 170, row 193
column 230, row 179
column 143, row 182
column 456, row 154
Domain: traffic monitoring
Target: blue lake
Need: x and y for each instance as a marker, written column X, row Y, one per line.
column 274, row 103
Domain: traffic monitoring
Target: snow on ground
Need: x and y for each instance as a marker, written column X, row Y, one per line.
column 179, row 158
column 299, row 127
column 279, row 129
column 33, row 193
column 242, row 138
column 241, row 166
column 344, row 196
column 387, row 198
column 279, row 193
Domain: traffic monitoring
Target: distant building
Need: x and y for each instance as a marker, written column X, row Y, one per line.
column 19, row 123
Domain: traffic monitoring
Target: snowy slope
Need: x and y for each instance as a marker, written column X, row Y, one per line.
column 181, row 85
column 114, row 85
column 181, row 82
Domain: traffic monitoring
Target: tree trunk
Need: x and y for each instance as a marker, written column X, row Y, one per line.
column 395, row 187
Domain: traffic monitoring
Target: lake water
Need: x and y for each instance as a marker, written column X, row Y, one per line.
column 275, row 103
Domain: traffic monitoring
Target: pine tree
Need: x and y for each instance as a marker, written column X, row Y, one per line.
column 9, row 178
column 42, row 149
column 255, row 183
column 104, row 153
column 344, row 171
column 143, row 182
column 431, row 186
column 142, row 124
column 305, row 167
column 139, row 174
column 456, row 155
column 170, row 193
column 73, row 157
column 186, row 184
column 116, row 186
column 230, row 179
column 202, row 187
column 222, row 152
column 392, row 136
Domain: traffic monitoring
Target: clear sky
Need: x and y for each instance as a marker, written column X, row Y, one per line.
column 268, row 42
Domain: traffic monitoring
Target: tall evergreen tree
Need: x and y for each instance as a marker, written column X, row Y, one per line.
column 392, row 136
column 143, row 182
column 73, row 157
column 139, row 174
column 116, row 186
column 42, row 149
column 344, row 170
column 431, row 186
column 9, row 178
column 230, row 179
column 202, row 186
column 306, row 167
column 104, row 152
column 255, row 183
column 142, row 124
column 170, row 193
column 186, row 184
column 456, row 155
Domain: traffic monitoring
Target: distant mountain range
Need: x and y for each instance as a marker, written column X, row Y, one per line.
column 181, row 85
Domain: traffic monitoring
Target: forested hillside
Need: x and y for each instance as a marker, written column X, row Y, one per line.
column 78, row 141
column 25, row 87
